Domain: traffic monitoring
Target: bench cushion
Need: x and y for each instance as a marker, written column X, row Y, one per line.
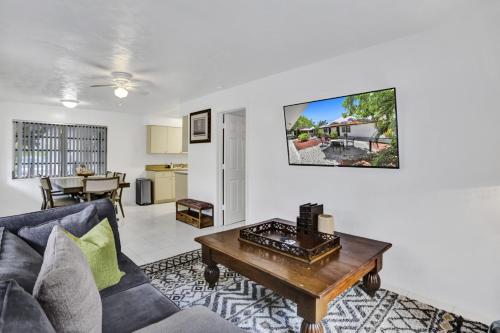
column 195, row 204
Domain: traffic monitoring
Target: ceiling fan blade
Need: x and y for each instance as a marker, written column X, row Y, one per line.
column 102, row 85
column 98, row 77
column 96, row 65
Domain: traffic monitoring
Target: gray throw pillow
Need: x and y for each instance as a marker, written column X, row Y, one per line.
column 77, row 224
column 18, row 261
column 19, row 311
column 66, row 289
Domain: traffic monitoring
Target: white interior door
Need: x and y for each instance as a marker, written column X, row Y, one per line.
column 234, row 167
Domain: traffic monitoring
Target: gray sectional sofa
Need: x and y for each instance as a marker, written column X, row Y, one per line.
column 133, row 304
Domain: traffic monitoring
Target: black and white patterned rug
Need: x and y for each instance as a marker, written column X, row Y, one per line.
column 257, row 309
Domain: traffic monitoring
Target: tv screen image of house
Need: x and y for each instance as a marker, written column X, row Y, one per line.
column 357, row 130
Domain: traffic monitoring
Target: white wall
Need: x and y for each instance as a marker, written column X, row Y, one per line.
column 126, row 149
column 162, row 120
column 441, row 210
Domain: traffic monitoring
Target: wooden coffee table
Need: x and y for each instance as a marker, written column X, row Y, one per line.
column 313, row 286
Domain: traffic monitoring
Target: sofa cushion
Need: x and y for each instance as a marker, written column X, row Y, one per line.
column 18, row 261
column 133, row 277
column 105, row 209
column 135, row 308
column 19, row 311
column 98, row 246
column 78, row 224
column 197, row 319
column 65, row 287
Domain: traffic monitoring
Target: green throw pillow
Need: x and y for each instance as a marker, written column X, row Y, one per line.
column 98, row 246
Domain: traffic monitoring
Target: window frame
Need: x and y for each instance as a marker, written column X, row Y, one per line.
column 63, row 150
column 346, row 129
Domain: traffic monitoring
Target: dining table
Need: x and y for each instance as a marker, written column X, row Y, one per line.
column 74, row 185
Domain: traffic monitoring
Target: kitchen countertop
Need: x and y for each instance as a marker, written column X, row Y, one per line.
column 159, row 169
column 173, row 170
column 166, row 167
column 181, row 172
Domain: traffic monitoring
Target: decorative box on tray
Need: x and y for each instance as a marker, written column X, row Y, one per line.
column 283, row 237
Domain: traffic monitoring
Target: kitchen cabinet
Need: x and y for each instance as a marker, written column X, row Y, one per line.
column 163, row 186
column 174, row 139
column 164, row 140
column 181, row 185
column 157, row 139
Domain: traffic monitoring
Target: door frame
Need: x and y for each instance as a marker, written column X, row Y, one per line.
column 220, row 178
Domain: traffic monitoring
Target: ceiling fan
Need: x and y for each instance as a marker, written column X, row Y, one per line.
column 122, row 83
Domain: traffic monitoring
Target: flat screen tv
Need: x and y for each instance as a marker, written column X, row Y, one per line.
column 359, row 130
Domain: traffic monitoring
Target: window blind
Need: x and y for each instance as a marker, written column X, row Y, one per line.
column 56, row 150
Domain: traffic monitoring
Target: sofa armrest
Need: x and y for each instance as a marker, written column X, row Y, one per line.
column 495, row 327
column 197, row 319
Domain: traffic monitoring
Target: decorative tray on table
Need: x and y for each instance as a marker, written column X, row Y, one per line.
column 286, row 239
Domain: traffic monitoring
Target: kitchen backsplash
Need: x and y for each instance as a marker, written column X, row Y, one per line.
column 166, row 159
column 167, row 166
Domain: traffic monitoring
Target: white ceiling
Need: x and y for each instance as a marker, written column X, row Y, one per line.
column 55, row 49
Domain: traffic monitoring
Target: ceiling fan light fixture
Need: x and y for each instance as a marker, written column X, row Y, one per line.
column 121, row 92
column 70, row 103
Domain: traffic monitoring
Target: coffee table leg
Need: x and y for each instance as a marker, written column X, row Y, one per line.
column 371, row 283
column 211, row 271
column 308, row 327
column 312, row 310
column 212, row 275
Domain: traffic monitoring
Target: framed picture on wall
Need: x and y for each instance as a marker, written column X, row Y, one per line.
column 358, row 130
column 200, row 126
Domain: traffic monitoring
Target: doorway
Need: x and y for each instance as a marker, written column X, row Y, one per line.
column 233, row 166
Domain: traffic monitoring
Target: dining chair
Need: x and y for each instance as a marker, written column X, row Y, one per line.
column 44, row 199
column 97, row 188
column 118, row 197
column 110, row 174
column 54, row 199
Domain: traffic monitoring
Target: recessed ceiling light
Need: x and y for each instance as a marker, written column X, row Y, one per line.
column 70, row 103
column 121, row 92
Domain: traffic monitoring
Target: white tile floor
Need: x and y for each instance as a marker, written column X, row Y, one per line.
column 151, row 233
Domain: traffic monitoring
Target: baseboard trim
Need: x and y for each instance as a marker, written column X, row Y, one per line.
column 467, row 314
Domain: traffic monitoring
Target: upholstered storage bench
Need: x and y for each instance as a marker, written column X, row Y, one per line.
column 193, row 213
